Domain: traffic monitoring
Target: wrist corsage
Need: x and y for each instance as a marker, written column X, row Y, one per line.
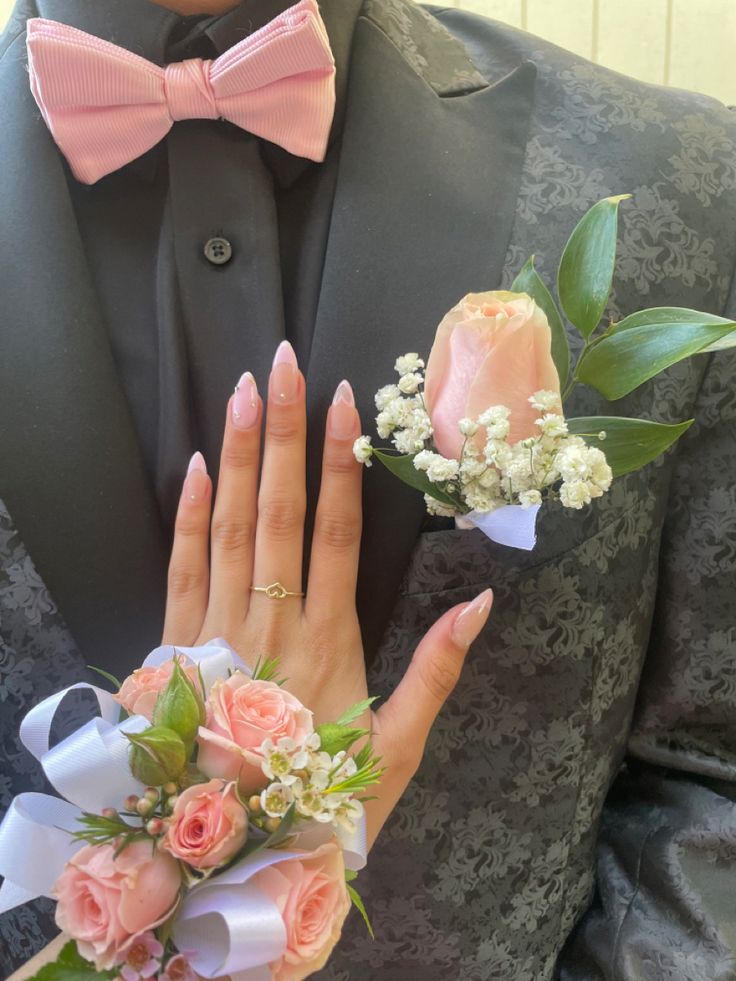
column 208, row 827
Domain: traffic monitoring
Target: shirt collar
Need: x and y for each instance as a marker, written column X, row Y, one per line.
column 149, row 30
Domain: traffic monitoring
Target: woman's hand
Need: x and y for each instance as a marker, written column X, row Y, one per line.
column 253, row 537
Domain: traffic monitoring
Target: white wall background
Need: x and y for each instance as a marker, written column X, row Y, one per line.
column 687, row 43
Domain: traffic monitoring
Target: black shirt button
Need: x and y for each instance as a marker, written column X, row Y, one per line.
column 218, row 251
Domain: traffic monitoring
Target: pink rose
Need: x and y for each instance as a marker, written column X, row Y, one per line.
column 208, row 825
column 139, row 691
column 241, row 713
column 104, row 903
column 492, row 348
column 313, row 900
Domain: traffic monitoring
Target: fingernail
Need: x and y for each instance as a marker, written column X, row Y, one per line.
column 196, row 484
column 342, row 415
column 245, row 402
column 284, row 381
column 470, row 621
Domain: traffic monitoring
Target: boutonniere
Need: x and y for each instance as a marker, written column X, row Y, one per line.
column 480, row 428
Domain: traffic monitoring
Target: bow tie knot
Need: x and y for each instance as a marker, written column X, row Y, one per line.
column 188, row 90
column 105, row 106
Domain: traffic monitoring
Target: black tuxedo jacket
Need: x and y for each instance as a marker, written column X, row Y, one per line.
column 609, row 660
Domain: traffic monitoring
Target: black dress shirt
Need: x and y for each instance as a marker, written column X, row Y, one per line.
column 183, row 326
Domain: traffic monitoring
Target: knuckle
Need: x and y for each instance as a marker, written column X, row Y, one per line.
column 189, row 526
column 240, row 454
column 338, row 462
column 282, row 519
column 231, row 535
column 439, row 674
column 183, row 581
column 337, row 531
column 284, row 429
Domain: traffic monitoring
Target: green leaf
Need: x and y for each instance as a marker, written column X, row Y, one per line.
column 266, row 670
column 358, row 903
column 666, row 316
column 350, row 874
column 106, row 674
column 355, row 711
column 630, row 443
column 334, row 738
column 529, row 281
column 71, row 966
column 402, row 466
column 627, row 358
column 586, row 267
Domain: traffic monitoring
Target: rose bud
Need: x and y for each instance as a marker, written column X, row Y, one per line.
column 180, row 707
column 157, row 755
column 492, row 348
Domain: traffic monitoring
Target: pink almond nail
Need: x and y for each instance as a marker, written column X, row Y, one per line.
column 284, row 382
column 342, row 417
column 196, row 484
column 245, row 402
column 469, row 622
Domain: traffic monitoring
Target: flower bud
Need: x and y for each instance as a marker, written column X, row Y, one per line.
column 156, row 827
column 144, row 806
column 157, row 755
column 180, row 707
column 170, row 788
column 272, row 824
column 254, row 804
column 131, row 802
column 152, row 794
column 171, row 802
column 109, row 812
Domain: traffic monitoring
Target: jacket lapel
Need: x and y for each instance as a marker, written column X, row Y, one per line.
column 423, row 211
column 71, row 474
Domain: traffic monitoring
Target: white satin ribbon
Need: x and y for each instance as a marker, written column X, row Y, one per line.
column 510, row 525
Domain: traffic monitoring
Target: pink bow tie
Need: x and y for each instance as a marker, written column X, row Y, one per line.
column 105, row 106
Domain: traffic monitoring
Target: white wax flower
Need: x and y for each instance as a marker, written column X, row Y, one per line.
column 276, row 799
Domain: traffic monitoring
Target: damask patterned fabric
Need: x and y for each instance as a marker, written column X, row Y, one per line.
column 574, row 815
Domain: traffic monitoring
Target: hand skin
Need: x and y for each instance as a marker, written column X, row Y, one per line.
column 253, row 536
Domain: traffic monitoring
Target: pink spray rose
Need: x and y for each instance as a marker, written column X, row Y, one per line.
column 104, row 903
column 208, row 825
column 139, row 691
column 492, row 348
column 241, row 713
column 313, row 900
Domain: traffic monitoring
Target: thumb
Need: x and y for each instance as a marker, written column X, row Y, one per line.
column 406, row 718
